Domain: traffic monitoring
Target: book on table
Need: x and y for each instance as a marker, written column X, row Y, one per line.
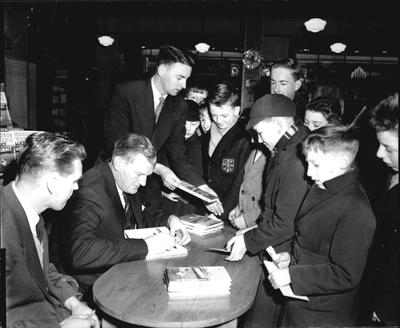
column 202, row 224
column 143, row 233
column 197, row 281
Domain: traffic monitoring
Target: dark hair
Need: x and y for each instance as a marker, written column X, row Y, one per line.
column 330, row 108
column 385, row 115
column 332, row 138
column 223, row 93
column 131, row 144
column 290, row 64
column 45, row 151
column 172, row 55
column 192, row 113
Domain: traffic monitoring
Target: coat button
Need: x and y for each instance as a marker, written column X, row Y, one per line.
column 253, row 199
column 242, row 191
column 209, row 180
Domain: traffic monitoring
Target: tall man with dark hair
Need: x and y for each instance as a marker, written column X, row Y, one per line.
column 37, row 295
column 154, row 108
column 98, row 213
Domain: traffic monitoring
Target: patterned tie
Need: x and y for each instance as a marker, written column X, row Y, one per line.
column 40, row 230
column 130, row 218
column 158, row 108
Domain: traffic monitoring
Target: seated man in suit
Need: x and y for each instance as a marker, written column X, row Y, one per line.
column 37, row 295
column 154, row 108
column 96, row 231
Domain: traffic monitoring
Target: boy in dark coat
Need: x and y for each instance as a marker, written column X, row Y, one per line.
column 333, row 232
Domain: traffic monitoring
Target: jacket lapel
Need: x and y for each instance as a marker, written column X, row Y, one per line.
column 32, row 257
column 145, row 109
column 112, row 192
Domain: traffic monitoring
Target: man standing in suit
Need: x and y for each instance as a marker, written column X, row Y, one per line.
column 107, row 203
column 154, row 108
column 37, row 295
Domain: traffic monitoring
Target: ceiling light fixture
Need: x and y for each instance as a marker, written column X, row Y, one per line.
column 315, row 25
column 338, row 47
column 202, row 47
column 106, row 40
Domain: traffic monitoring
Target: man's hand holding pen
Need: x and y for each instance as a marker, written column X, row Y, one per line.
column 178, row 230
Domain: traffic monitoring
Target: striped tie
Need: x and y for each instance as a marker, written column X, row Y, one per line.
column 158, row 108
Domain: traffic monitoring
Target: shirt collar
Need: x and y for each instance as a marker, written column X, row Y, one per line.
column 284, row 139
column 33, row 217
column 156, row 93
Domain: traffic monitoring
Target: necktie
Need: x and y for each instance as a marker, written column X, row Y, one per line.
column 130, row 218
column 40, row 230
column 158, row 108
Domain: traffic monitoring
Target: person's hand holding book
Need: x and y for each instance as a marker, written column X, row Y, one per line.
column 215, row 207
column 169, row 178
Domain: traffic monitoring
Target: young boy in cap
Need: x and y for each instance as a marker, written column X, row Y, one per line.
column 272, row 118
column 333, row 232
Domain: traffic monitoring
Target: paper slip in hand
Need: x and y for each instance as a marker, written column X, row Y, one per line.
column 218, row 250
column 286, row 290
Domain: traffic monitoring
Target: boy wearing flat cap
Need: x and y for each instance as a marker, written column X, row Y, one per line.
column 272, row 118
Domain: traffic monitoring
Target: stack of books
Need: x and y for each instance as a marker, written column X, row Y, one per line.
column 202, row 225
column 197, row 281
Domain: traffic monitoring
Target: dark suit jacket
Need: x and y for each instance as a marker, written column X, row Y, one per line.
column 285, row 189
column 35, row 296
column 132, row 110
column 333, row 233
column 96, row 222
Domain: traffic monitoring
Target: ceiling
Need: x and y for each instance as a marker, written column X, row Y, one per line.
column 369, row 29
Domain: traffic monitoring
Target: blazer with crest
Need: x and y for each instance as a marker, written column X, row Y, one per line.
column 95, row 227
column 35, row 296
column 224, row 170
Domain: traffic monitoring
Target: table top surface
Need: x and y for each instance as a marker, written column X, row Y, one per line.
column 134, row 292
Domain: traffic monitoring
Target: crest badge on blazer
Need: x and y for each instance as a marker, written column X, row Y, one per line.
column 228, row 165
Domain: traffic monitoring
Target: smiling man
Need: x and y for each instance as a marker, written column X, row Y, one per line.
column 107, row 203
column 154, row 108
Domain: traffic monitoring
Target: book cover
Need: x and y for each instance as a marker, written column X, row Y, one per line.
column 201, row 221
column 197, row 192
column 197, row 274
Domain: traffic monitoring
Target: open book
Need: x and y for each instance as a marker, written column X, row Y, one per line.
column 176, row 251
column 203, row 195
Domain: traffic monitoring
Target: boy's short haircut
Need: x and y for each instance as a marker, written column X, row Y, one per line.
column 223, row 93
column 385, row 115
column 332, row 139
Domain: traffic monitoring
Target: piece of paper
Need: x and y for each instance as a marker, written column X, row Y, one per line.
column 286, row 290
column 176, row 251
column 218, row 250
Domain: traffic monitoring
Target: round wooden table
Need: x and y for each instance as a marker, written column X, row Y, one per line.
column 135, row 293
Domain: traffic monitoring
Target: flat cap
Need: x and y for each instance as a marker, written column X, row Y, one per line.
column 271, row 106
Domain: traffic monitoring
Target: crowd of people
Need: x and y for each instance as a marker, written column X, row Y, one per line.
column 285, row 176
